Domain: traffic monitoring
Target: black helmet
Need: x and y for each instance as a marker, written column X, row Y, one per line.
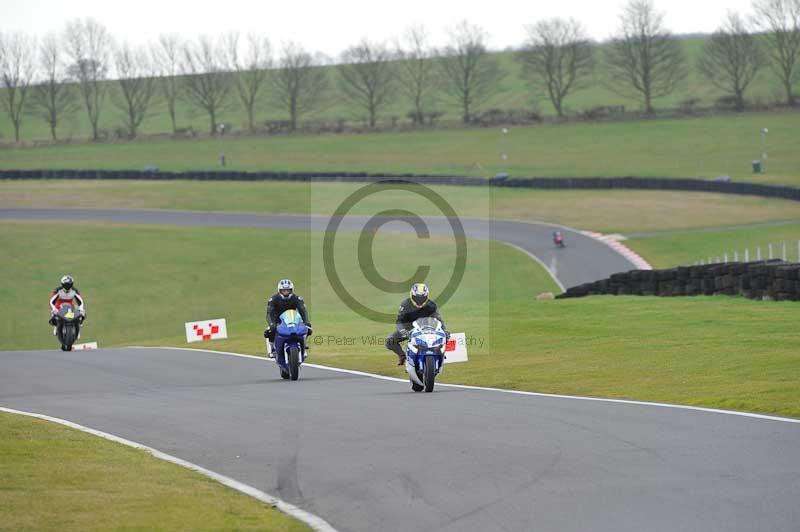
column 67, row 282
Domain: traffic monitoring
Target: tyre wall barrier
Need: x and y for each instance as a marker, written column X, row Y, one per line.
column 767, row 280
column 583, row 183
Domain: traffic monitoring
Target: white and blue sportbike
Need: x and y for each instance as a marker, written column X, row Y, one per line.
column 290, row 344
column 425, row 353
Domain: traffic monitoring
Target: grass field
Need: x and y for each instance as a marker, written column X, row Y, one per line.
column 718, row 352
column 689, row 147
column 512, row 93
column 54, row 478
column 625, row 211
column 686, row 248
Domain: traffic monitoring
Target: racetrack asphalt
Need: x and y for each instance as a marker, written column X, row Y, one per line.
column 583, row 260
column 369, row 454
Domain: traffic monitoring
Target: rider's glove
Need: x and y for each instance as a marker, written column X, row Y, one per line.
column 447, row 334
column 266, row 332
column 310, row 330
column 82, row 317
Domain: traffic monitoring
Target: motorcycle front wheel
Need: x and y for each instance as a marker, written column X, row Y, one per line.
column 294, row 363
column 67, row 336
column 429, row 376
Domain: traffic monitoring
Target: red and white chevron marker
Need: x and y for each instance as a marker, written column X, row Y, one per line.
column 614, row 242
column 197, row 331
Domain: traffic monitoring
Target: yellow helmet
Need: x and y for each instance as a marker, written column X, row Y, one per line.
column 419, row 294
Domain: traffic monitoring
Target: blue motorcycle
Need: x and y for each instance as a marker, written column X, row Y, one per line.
column 425, row 353
column 290, row 344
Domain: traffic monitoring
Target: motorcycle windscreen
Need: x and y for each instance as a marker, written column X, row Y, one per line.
column 291, row 317
column 427, row 323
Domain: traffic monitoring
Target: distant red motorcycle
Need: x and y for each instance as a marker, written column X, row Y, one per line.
column 558, row 239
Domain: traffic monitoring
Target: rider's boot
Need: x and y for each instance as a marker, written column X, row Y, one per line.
column 401, row 360
column 271, row 350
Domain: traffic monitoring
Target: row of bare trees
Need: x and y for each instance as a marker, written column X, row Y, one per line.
column 643, row 60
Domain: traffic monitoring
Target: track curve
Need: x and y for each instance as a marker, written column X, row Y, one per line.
column 583, row 260
column 368, row 454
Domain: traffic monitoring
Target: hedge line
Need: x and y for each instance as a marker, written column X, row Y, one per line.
column 590, row 183
column 769, row 280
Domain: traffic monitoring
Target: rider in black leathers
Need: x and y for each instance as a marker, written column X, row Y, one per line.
column 285, row 299
column 417, row 306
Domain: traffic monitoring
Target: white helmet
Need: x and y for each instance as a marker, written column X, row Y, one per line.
column 67, row 282
column 285, row 288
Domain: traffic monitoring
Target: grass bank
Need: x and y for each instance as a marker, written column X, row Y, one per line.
column 687, row 147
column 686, row 248
column 54, row 478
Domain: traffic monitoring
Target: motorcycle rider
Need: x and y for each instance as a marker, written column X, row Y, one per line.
column 284, row 299
column 558, row 238
column 66, row 293
column 418, row 305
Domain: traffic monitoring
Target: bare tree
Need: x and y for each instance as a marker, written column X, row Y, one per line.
column 167, row 58
column 416, row 72
column 17, row 68
column 366, row 76
column 53, row 98
column 469, row 72
column 137, row 84
column 206, row 82
column 644, row 60
column 299, row 82
column 250, row 69
column 88, row 45
column 731, row 58
column 556, row 57
column 780, row 20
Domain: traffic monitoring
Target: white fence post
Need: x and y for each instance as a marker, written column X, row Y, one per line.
column 747, row 254
column 726, row 258
column 770, row 251
column 783, row 251
column 758, row 253
column 736, row 256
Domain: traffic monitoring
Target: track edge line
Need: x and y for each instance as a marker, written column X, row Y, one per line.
column 315, row 522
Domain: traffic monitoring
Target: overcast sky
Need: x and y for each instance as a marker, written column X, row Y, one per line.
column 330, row 26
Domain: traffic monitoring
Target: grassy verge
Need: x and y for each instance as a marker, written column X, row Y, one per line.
column 716, row 352
column 685, row 248
column 690, row 147
column 607, row 211
column 61, row 479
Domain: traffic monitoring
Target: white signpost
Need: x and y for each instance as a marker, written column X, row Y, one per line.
column 456, row 348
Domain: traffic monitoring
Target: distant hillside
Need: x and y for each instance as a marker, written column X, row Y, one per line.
column 511, row 94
